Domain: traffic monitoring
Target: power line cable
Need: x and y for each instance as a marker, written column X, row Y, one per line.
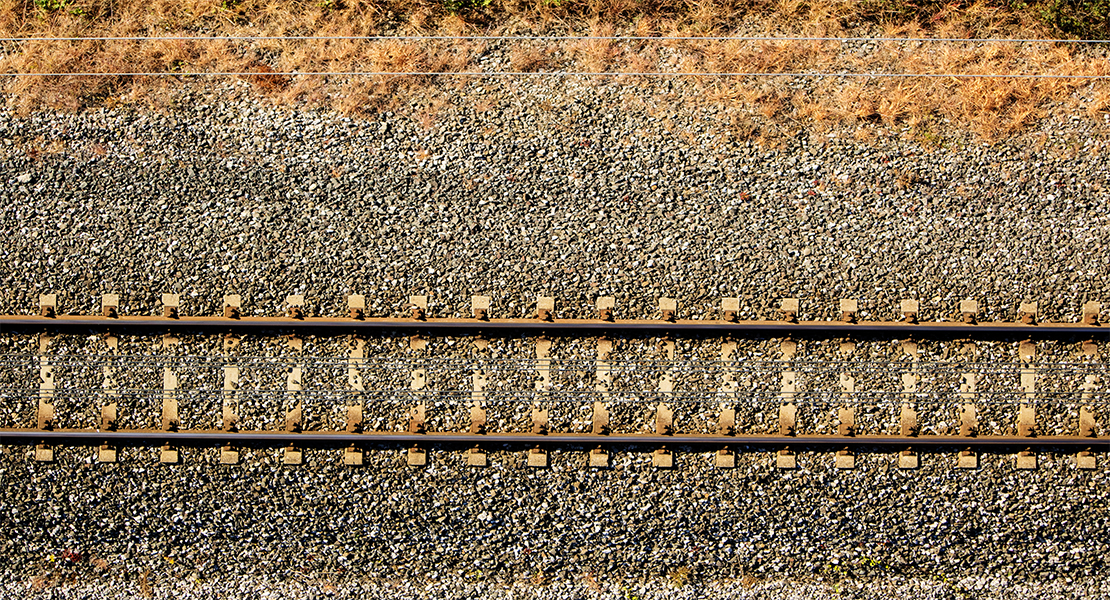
column 550, row 37
column 492, row 74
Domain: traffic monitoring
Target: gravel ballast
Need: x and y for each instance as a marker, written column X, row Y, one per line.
column 506, row 525
column 591, row 197
column 562, row 189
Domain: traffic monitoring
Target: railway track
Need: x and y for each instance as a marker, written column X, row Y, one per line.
column 731, row 404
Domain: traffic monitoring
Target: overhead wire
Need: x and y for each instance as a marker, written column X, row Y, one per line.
column 491, row 74
column 549, row 37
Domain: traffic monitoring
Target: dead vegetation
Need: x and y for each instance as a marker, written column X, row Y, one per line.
column 990, row 107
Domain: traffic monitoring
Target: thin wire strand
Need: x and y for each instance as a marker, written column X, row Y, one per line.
column 561, row 74
column 553, row 38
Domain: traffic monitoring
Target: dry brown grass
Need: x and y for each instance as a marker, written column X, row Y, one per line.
column 991, row 108
column 532, row 59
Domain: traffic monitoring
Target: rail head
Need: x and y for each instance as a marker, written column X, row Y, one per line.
column 84, row 324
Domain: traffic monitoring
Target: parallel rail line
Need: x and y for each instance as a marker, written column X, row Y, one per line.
column 66, row 324
column 599, row 383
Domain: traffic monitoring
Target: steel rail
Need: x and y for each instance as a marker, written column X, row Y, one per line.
column 338, row 439
column 509, row 327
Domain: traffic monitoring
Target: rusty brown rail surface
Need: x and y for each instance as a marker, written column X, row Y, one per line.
column 296, row 320
column 597, row 446
column 506, row 327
